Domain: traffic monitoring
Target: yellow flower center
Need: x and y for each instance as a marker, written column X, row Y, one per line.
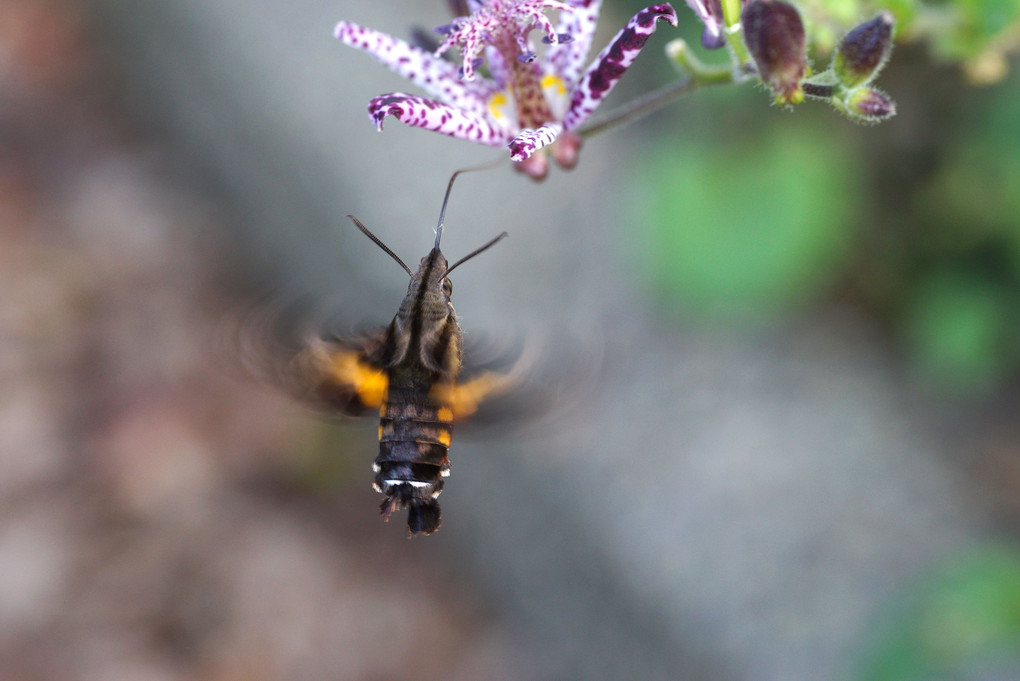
column 555, row 91
column 501, row 108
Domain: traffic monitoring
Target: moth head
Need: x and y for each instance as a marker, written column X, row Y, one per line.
column 432, row 274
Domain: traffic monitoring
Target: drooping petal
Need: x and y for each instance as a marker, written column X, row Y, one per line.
column 420, row 112
column 530, row 141
column 566, row 59
column 435, row 75
column 613, row 61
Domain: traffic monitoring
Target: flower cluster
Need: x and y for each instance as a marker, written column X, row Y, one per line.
column 505, row 90
column 529, row 104
column 860, row 56
column 767, row 37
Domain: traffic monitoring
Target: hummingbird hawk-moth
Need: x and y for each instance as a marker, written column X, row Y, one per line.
column 409, row 371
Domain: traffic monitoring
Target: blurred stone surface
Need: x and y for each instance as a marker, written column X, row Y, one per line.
column 139, row 538
column 710, row 507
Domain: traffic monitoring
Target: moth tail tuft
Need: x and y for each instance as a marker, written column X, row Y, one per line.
column 388, row 506
column 424, row 517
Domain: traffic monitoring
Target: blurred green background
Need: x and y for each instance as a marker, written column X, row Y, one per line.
column 751, row 216
column 962, row 620
column 751, row 213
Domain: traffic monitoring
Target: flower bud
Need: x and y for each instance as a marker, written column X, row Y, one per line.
column 863, row 51
column 774, row 35
column 867, row 105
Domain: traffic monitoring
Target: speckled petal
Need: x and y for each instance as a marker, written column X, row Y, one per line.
column 530, row 141
column 542, row 22
column 710, row 13
column 613, row 61
column 435, row 75
column 567, row 59
column 420, row 112
column 498, row 68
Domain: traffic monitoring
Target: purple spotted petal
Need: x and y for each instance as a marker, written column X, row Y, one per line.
column 567, row 59
column 542, row 22
column 436, row 76
column 498, row 68
column 613, row 61
column 710, row 13
column 530, row 141
column 420, row 112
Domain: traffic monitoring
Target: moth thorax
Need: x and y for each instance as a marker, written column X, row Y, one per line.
column 435, row 307
column 430, row 307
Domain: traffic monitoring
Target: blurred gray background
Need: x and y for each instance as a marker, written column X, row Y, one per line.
column 705, row 500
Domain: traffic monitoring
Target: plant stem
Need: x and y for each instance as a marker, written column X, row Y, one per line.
column 734, row 32
column 681, row 54
column 638, row 108
column 818, row 90
column 696, row 74
column 731, row 12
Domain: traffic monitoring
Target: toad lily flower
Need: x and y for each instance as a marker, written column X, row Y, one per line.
column 526, row 102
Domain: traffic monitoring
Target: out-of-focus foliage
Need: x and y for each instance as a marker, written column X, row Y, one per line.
column 747, row 229
column 956, row 323
column 916, row 221
column 958, row 257
column 963, row 621
column 979, row 34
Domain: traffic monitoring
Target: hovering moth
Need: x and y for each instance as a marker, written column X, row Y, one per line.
column 409, row 371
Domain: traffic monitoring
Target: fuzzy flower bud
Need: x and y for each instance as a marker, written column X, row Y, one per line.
column 867, row 105
column 864, row 51
column 774, row 35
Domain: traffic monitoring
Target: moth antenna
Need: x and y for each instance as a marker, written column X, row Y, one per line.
column 383, row 246
column 446, row 199
column 475, row 252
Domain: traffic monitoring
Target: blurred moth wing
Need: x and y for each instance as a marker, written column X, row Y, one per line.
column 345, row 376
column 342, row 376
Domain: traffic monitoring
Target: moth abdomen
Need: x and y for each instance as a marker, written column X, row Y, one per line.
column 412, row 413
column 411, row 484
